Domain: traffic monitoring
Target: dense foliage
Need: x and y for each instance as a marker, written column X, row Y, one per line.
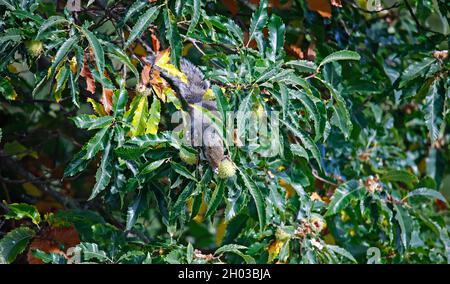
column 354, row 169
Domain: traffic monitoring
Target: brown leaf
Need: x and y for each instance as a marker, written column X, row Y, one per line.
column 322, row 7
column 106, row 100
column 87, row 75
column 145, row 74
column 155, row 42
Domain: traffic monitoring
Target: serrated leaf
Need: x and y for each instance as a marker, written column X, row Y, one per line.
column 258, row 198
column 98, row 51
column 303, row 65
column 142, row 24
column 104, row 171
column 196, row 11
column 119, row 103
column 49, row 23
column 340, row 55
column 140, row 116
column 427, row 192
column 400, row 176
column 236, row 249
column 276, row 36
column 91, row 251
column 150, row 167
column 95, row 144
column 182, row 170
column 135, row 210
column 433, row 111
column 62, row 53
column 14, row 243
column 258, row 21
column 173, row 36
column 307, row 142
column 215, row 199
column 20, row 211
column 415, row 70
column 342, row 197
column 154, row 117
column 77, row 164
column 87, row 121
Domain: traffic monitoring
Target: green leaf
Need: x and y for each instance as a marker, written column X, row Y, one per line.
column 149, row 140
column 77, row 164
column 134, row 8
column 415, row 70
column 98, row 51
column 179, row 205
column 342, row 197
column 215, row 199
column 150, row 167
column 104, row 171
column 340, row 55
column 427, row 192
column 173, row 36
column 258, row 198
column 49, row 23
column 342, row 252
column 140, row 116
column 121, row 57
column 182, row 170
column 89, row 121
column 91, row 251
column 307, row 142
column 142, row 24
column 14, row 243
column 311, row 108
column 119, row 103
column 276, row 36
column 154, row 117
column 53, row 258
column 61, row 54
column 400, row 176
column 433, row 111
column 20, row 211
column 233, row 248
column 74, row 90
column 6, row 89
column 95, row 144
column 303, row 65
column 258, row 21
column 404, row 222
column 135, row 210
column 196, row 11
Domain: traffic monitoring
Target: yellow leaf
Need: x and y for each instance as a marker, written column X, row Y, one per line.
column 275, row 248
column 98, row 108
column 73, row 65
column 154, row 117
column 162, row 61
column 31, row 189
column 220, row 232
column 138, row 124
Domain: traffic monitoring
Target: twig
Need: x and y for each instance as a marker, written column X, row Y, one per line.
column 13, row 165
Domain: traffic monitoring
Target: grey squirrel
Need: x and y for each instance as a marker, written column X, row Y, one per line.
column 192, row 94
